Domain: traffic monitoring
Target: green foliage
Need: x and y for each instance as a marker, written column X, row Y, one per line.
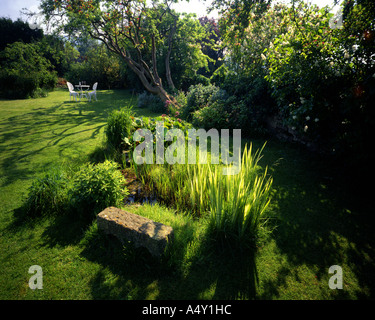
column 238, row 202
column 59, row 52
column 298, row 65
column 321, row 75
column 98, row 65
column 197, row 97
column 235, row 14
column 211, row 116
column 249, row 102
column 15, row 82
column 214, row 113
column 243, row 104
column 188, row 56
column 219, row 75
column 211, row 46
column 181, row 99
column 119, row 126
column 95, row 187
column 152, row 39
column 168, row 122
column 47, row 195
column 17, row 31
column 148, row 100
column 89, row 190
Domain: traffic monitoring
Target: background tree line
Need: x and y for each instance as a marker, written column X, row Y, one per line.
column 294, row 69
column 79, row 57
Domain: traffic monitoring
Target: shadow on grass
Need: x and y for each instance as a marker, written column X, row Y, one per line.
column 322, row 222
column 210, row 274
column 27, row 140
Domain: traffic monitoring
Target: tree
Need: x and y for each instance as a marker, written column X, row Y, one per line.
column 13, row 31
column 187, row 55
column 59, row 52
column 236, row 13
column 24, row 72
column 130, row 28
column 321, row 73
column 212, row 45
column 97, row 65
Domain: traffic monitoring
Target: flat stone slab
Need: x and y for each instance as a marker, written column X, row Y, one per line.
column 141, row 231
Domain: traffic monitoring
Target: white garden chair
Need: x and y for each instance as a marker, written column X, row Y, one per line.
column 93, row 93
column 72, row 92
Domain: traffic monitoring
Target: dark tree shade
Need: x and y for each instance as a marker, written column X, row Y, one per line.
column 13, row 31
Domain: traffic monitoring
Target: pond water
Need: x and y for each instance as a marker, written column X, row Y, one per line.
column 138, row 192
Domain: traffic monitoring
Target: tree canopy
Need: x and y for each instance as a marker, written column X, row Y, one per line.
column 138, row 32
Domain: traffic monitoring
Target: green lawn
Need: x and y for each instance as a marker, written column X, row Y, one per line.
column 317, row 224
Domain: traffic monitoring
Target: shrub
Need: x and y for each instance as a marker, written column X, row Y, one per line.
column 15, row 83
column 150, row 124
column 197, row 98
column 201, row 79
column 47, row 195
column 181, row 99
column 148, row 100
column 214, row 114
column 119, row 126
column 211, row 116
column 99, row 65
column 96, row 187
column 143, row 100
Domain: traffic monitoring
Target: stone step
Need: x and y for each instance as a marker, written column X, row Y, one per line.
column 141, row 231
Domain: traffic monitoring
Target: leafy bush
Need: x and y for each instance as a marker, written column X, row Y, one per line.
column 211, row 116
column 15, row 83
column 148, row 100
column 322, row 78
column 201, row 79
column 47, row 195
column 150, row 124
column 96, row 187
column 119, row 126
column 215, row 113
column 197, row 98
column 181, row 99
column 250, row 102
column 90, row 189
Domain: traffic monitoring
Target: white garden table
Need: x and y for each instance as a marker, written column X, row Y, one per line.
column 84, row 88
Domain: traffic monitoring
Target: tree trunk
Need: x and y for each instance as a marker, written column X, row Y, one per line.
column 154, row 88
column 150, row 78
column 168, row 56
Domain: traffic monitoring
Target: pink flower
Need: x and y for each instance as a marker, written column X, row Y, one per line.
column 177, row 113
column 179, row 120
column 163, row 115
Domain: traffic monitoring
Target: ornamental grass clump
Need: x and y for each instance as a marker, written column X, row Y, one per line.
column 47, row 195
column 119, row 126
column 238, row 202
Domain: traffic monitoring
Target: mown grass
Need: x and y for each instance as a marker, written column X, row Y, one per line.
column 317, row 224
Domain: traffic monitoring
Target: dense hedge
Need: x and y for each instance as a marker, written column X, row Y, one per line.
column 25, row 73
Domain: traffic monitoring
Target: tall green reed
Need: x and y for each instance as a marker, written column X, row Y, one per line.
column 236, row 204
